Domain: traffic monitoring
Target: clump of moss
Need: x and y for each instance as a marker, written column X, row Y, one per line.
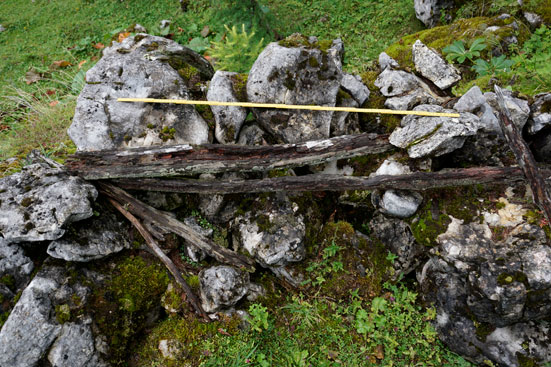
column 8, row 281
column 62, row 313
column 206, row 114
column 123, row 305
column 186, row 331
column 26, row 202
column 299, row 40
column 187, row 72
column 239, row 85
column 167, row 133
column 152, row 46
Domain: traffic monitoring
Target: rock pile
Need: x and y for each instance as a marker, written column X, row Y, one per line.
column 490, row 285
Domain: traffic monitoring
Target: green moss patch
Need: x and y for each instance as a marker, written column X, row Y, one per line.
column 127, row 300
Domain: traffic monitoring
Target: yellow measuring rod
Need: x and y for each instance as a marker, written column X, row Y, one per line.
column 290, row 107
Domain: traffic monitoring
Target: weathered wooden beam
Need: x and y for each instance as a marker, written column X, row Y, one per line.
column 417, row 181
column 152, row 244
column 179, row 160
column 166, row 221
column 524, row 157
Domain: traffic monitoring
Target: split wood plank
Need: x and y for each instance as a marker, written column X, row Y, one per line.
column 152, row 244
column 165, row 221
column 417, row 181
column 524, row 157
column 179, row 160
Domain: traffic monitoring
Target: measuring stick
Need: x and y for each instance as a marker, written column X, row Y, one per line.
column 290, row 107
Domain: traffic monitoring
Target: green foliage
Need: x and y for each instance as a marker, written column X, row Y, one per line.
column 238, row 51
column 496, row 65
column 532, row 60
column 259, row 317
column 457, row 51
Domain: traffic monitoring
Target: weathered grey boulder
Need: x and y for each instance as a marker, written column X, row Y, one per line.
column 396, row 82
column 34, row 324
column 355, row 87
column 273, row 234
column 75, row 347
column 300, row 74
column 473, row 101
column 397, row 237
column 141, row 66
column 540, row 113
column 433, row 136
column 92, row 239
column 433, row 67
column 345, row 123
column 15, row 267
column 396, row 203
column 229, row 119
column 533, row 19
column 386, row 61
column 519, row 108
column 37, row 203
column 430, row 11
column 251, row 135
column 222, row 287
column 486, row 292
column 404, row 90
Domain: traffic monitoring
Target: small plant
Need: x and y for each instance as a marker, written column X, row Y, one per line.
column 495, row 66
column 457, row 51
column 259, row 317
column 238, row 51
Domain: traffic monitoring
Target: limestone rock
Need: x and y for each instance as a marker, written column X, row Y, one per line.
column 396, row 82
column 92, row 239
column 433, row 67
column 430, row 11
column 251, row 135
column 519, row 108
column 229, row 119
column 409, row 100
column 540, row 113
column 141, row 66
column 2, row 28
column 14, row 265
column 34, row 326
column 273, row 234
column 386, row 61
column 170, row 349
column 222, row 287
column 299, row 74
column 396, row 203
column 37, row 203
column 433, row 136
column 473, row 101
column 491, row 296
column 533, row 19
column 397, row 237
column 355, row 87
column 75, row 347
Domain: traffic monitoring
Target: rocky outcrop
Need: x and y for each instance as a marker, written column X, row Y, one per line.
column 222, row 287
column 229, row 119
column 433, row 67
column 430, row 11
column 404, row 90
column 295, row 71
column 36, row 328
column 37, row 203
column 273, row 234
column 396, row 203
column 488, row 294
column 433, row 136
column 92, row 239
column 141, row 66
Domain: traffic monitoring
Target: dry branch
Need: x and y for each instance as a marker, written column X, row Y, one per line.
column 417, row 181
column 181, row 160
column 169, row 223
column 152, row 244
column 524, row 157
